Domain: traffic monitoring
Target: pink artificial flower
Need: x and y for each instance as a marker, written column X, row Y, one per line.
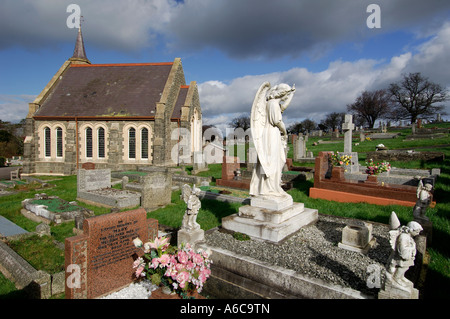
column 205, row 254
column 164, row 260
column 197, row 258
column 155, row 263
column 179, row 267
column 182, row 278
column 189, row 265
column 160, row 243
column 182, row 257
column 139, row 271
column 138, row 262
column 171, row 272
column 202, row 277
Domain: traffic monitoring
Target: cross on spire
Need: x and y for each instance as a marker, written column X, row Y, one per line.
column 79, row 53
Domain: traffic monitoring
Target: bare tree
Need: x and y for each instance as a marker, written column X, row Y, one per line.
column 243, row 122
column 295, row 128
column 333, row 121
column 416, row 97
column 370, row 106
column 308, row 125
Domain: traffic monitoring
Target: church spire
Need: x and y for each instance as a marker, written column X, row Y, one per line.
column 79, row 54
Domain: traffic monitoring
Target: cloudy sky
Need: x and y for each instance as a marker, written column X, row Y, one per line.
column 230, row 47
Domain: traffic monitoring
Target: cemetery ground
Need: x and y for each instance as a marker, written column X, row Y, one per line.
column 45, row 253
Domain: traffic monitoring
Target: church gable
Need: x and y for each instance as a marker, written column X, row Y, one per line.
column 108, row 90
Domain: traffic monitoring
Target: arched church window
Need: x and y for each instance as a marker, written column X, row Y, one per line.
column 101, row 142
column 59, row 142
column 131, row 143
column 144, row 143
column 47, row 142
column 88, row 142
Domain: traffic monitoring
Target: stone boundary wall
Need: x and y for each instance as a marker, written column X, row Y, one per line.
column 37, row 284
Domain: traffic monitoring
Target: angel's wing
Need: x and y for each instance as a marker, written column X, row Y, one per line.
column 419, row 188
column 258, row 117
column 393, row 235
column 258, row 114
column 186, row 192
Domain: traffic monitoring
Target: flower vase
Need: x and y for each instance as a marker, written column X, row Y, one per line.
column 372, row 179
column 163, row 293
column 337, row 173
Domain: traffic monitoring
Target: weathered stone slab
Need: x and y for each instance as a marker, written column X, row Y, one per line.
column 92, row 179
column 8, row 228
column 156, row 189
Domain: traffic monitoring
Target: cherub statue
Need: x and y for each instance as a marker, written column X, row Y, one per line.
column 270, row 138
column 190, row 197
column 424, row 197
column 403, row 251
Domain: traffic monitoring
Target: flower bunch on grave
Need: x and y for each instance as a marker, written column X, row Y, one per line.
column 182, row 270
column 374, row 169
column 340, row 160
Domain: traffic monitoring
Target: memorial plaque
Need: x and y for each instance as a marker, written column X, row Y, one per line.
column 103, row 256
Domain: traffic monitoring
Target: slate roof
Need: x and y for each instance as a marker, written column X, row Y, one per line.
column 108, row 90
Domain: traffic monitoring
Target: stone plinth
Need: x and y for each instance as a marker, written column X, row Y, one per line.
column 271, row 203
column 190, row 237
column 392, row 291
column 357, row 238
column 270, row 224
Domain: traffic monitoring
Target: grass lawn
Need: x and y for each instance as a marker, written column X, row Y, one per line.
column 41, row 253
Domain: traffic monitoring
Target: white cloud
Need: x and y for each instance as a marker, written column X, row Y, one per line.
column 125, row 25
column 14, row 108
column 332, row 89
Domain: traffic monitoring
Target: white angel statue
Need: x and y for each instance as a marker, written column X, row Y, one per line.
column 190, row 197
column 424, row 197
column 403, row 251
column 270, row 138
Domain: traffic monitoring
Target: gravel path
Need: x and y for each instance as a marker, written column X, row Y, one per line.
column 313, row 251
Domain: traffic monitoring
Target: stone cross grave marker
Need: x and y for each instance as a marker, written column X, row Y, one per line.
column 100, row 261
column 348, row 128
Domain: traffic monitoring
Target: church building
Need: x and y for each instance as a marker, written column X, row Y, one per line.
column 118, row 116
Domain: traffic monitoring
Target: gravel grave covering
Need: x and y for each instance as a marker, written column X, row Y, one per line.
column 138, row 290
column 313, row 251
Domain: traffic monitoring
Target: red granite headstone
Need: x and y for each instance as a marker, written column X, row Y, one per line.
column 100, row 260
column 88, row 165
column 229, row 165
column 346, row 191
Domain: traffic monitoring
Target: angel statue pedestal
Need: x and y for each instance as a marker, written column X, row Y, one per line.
column 272, row 215
column 190, row 231
column 270, row 224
